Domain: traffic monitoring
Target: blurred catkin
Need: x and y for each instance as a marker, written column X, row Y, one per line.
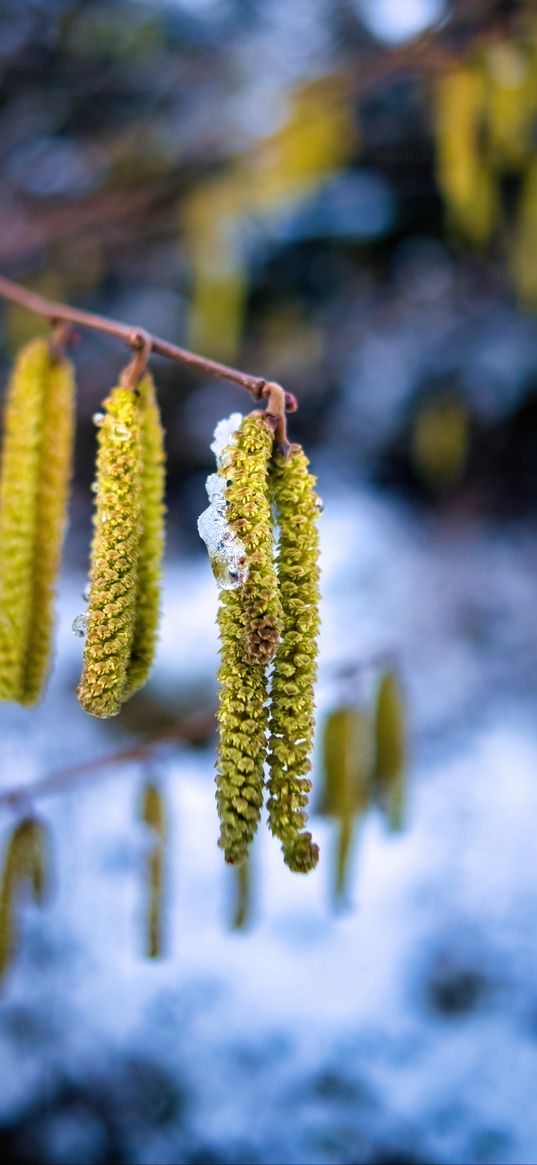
column 390, row 749
column 295, row 666
column 34, row 484
column 465, row 177
column 346, row 748
column 250, row 623
column 114, row 557
column 53, row 493
column 152, row 534
column 153, row 813
column 242, row 892
column 511, row 103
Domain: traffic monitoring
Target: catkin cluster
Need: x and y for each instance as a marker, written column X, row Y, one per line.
column 266, row 714
column 126, row 552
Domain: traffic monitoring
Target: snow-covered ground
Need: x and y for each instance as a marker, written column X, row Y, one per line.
column 402, row 1031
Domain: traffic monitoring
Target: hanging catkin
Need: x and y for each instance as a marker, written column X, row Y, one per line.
column 249, row 620
column 295, row 666
column 111, row 616
column 151, row 546
column 25, row 864
column 34, row 482
column 54, row 481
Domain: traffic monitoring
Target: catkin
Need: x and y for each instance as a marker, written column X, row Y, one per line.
column 35, row 475
column 154, row 816
column 111, row 616
column 464, row 175
column 151, row 546
column 250, row 623
column 54, row 481
column 390, row 749
column 250, row 517
column 25, row 863
column 295, row 667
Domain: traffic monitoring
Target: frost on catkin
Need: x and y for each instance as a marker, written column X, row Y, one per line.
column 114, row 557
column 34, row 483
column 295, row 667
column 151, row 545
column 250, row 626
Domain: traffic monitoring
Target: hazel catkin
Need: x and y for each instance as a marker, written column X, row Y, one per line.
column 34, row 483
column 250, row 625
column 295, row 666
column 111, row 617
column 152, row 535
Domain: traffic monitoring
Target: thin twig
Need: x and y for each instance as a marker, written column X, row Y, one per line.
column 191, row 731
column 133, row 336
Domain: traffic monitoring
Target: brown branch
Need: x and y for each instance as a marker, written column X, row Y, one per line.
column 135, row 337
column 191, row 731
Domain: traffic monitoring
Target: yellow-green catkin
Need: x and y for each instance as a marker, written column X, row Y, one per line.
column 465, row 177
column 52, row 500
column 25, row 864
column 511, row 103
column 346, row 763
column 523, row 255
column 151, row 547
column 154, row 816
column 390, row 749
column 440, row 442
column 250, row 622
column 292, row 719
column 347, row 783
column 34, row 480
column 249, row 513
column 111, row 615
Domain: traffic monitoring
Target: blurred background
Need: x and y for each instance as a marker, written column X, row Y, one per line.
column 341, row 196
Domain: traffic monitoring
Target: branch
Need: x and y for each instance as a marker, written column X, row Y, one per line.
column 136, row 337
column 192, row 731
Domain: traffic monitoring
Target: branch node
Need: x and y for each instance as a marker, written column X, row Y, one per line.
column 141, row 343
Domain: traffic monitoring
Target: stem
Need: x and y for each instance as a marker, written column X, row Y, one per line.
column 135, row 337
column 276, row 408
